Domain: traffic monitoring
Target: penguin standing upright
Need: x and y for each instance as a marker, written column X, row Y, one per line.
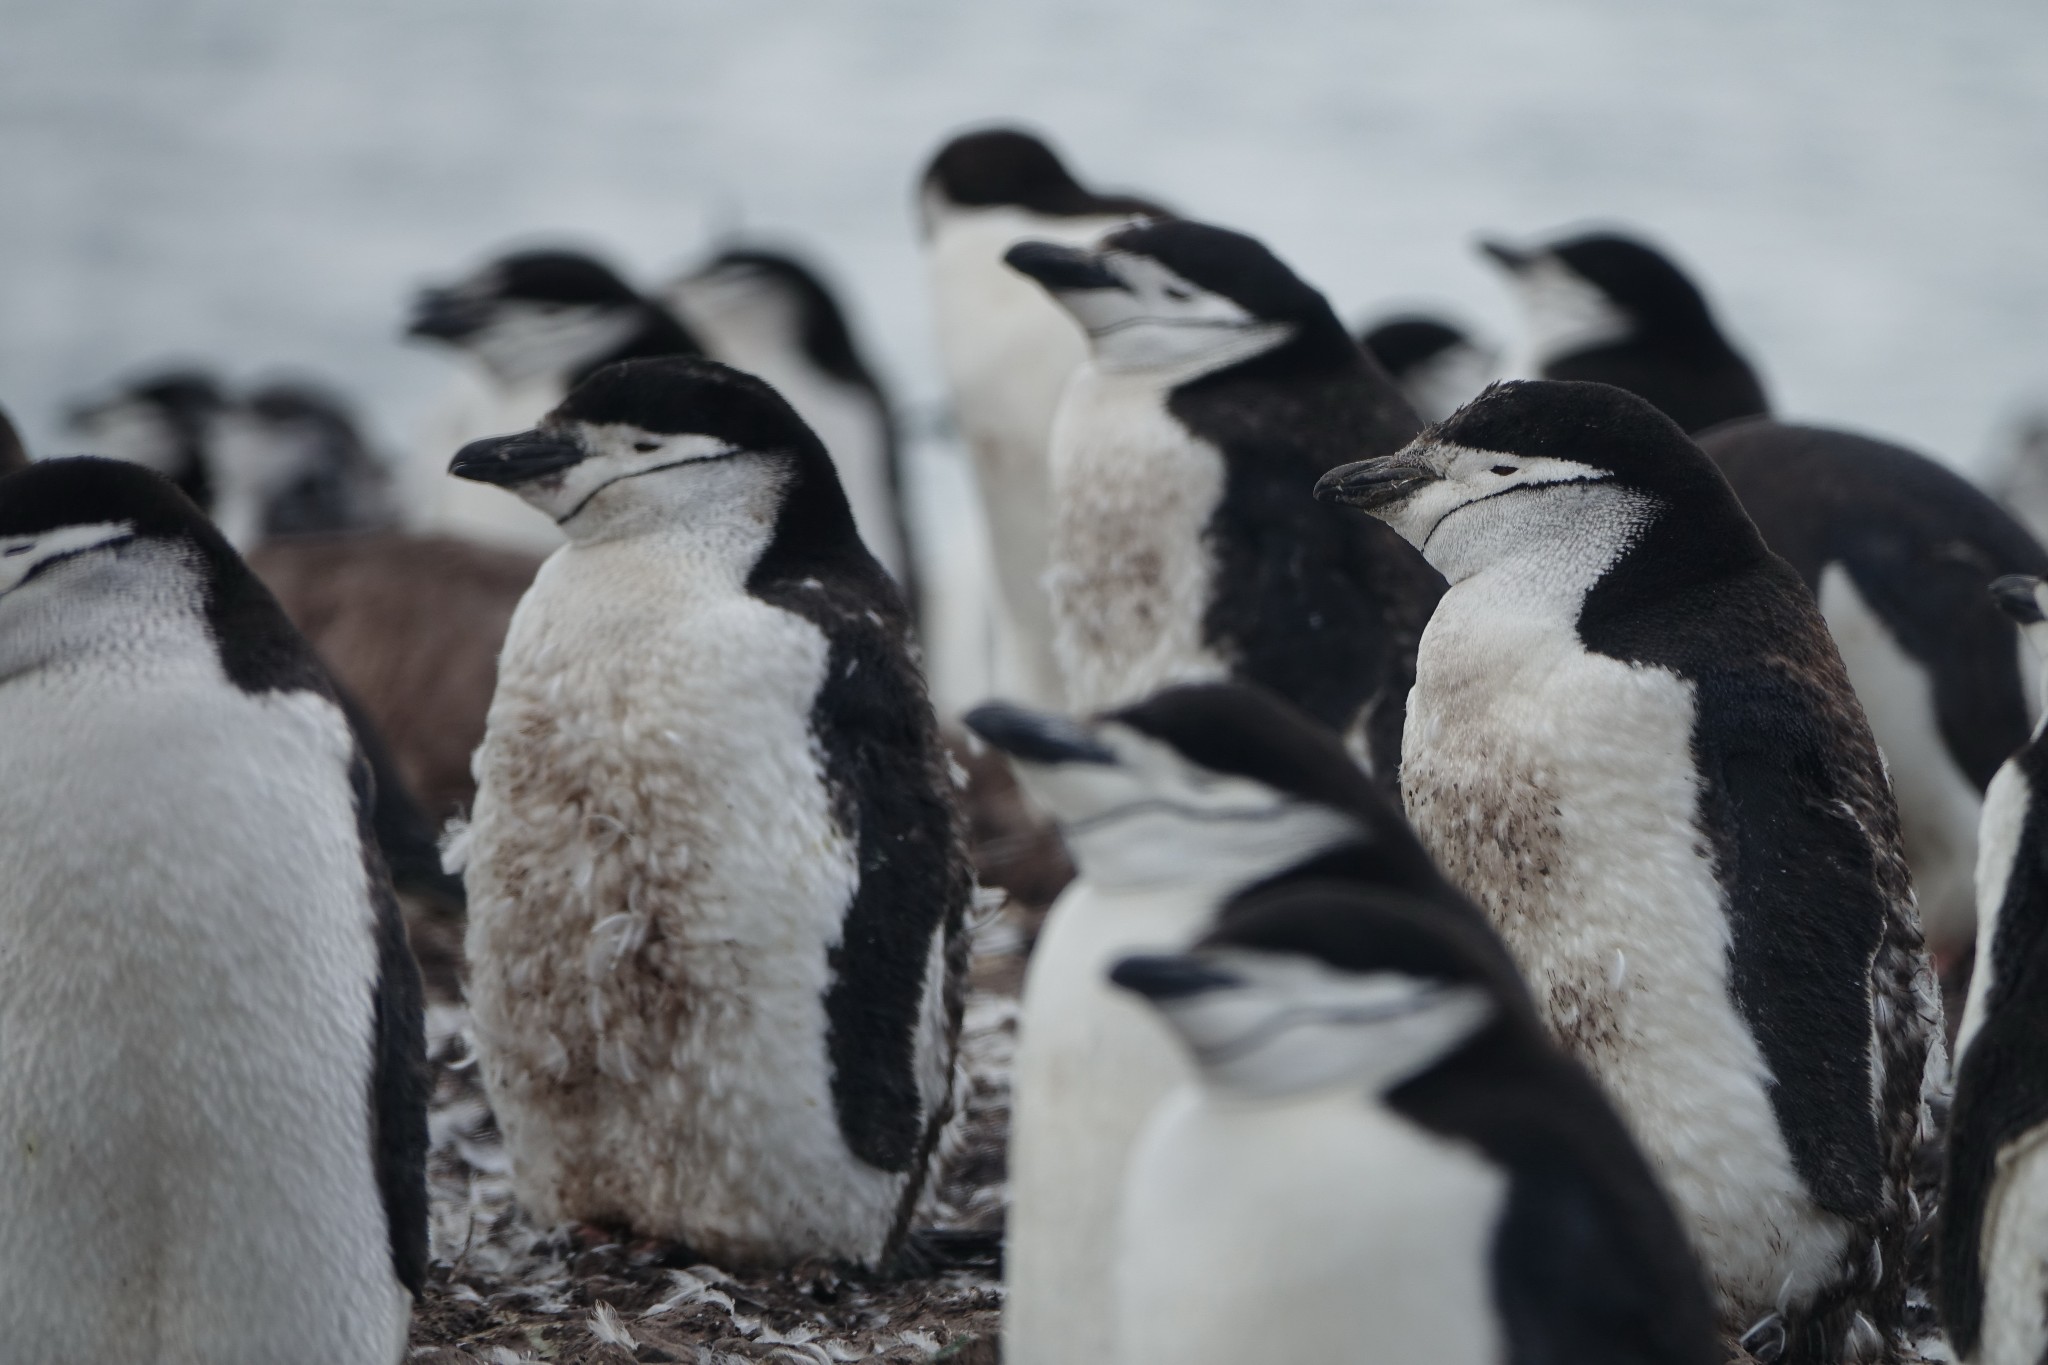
column 1008, row 351
column 1384, row 1159
column 1898, row 549
column 1186, row 540
column 1632, row 742
column 214, row 1082
column 1436, row 366
column 1170, row 808
column 535, row 324
column 767, row 313
column 717, row 879
column 1993, row 1240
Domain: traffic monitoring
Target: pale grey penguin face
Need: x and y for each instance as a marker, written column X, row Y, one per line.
column 1564, row 311
column 1174, row 299
column 1137, row 809
column 667, row 442
column 1262, row 1025
column 531, row 314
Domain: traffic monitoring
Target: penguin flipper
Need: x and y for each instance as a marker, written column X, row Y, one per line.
column 1806, row 891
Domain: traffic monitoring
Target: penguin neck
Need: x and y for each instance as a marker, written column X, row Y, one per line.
column 1228, row 858
column 137, row 613
column 717, row 515
column 1541, row 552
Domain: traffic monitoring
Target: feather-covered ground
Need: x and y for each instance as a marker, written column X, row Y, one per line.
column 502, row 1290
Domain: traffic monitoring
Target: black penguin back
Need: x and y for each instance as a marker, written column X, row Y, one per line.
column 1920, row 543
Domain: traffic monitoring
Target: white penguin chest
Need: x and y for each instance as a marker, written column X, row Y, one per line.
column 1132, row 572
column 1357, row 1235
column 2014, row 1255
column 1557, row 787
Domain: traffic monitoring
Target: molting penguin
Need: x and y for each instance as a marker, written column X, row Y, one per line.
column 1435, row 365
column 1170, row 808
column 1008, row 351
column 162, row 421
column 1632, row 742
column 1607, row 308
column 536, row 323
column 1898, row 549
column 1186, row 541
column 718, row 882
column 1993, row 1241
column 769, row 314
column 214, row 1081
column 1385, row 1159
column 287, row 460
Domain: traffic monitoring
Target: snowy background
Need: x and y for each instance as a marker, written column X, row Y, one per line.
column 261, row 183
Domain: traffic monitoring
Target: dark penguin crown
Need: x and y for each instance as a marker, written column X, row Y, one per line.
column 1245, row 731
column 1374, row 932
column 259, row 649
column 1641, row 280
column 1241, row 269
column 295, row 401
column 1401, row 343
column 1007, row 166
column 688, row 395
column 826, row 338
column 561, row 277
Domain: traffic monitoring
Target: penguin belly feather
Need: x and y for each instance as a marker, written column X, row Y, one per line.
column 188, row 1172
column 657, row 880
column 1593, row 867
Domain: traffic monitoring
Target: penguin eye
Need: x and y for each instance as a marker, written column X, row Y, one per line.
column 644, row 446
column 1174, row 291
column 1507, row 469
column 13, row 550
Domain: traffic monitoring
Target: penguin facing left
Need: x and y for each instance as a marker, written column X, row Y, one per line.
column 163, row 421
column 717, row 875
column 1993, row 1240
column 1171, row 808
column 214, row 1081
column 1187, row 543
column 1633, row 743
column 1384, row 1159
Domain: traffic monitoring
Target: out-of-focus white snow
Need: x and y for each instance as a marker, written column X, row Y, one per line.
column 1863, row 185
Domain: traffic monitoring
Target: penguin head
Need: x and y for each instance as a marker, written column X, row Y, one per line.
column 532, row 314
column 1182, row 299
column 1313, row 985
column 667, row 442
column 1435, row 365
column 747, row 299
column 98, row 553
column 1219, row 785
column 288, row 460
column 164, row 422
column 1008, row 168
column 1558, row 467
column 1599, row 288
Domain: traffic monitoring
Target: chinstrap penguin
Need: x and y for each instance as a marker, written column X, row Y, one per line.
column 1170, row 808
column 1007, row 351
column 163, row 421
column 214, row 1082
column 1898, row 548
column 1607, row 308
column 717, row 878
column 1437, row 367
column 768, row 313
column 288, row 460
column 1186, row 541
column 535, row 324
column 1384, row 1159
column 1993, row 1241
column 1633, row 743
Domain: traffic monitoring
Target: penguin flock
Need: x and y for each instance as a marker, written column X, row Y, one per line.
column 1557, row 871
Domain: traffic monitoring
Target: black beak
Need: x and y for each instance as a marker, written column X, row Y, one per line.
column 1508, row 258
column 445, row 315
column 2014, row 594
column 512, row 460
column 1170, row 977
column 1370, row 485
column 1061, row 269
column 1036, row 736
